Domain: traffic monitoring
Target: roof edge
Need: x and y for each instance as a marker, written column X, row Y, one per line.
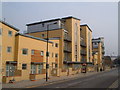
column 11, row 26
column 29, row 36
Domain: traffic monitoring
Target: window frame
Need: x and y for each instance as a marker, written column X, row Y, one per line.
column 32, row 52
column 24, row 67
column 56, row 55
column 9, row 49
column 9, row 33
column 56, row 44
column 25, row 49
column 42, row 53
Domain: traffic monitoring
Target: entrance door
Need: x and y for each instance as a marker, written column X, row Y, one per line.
column 10, row 69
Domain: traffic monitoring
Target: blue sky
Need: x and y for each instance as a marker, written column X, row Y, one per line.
column 101, row 17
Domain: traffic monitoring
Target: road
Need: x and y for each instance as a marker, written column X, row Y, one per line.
column 100, row 80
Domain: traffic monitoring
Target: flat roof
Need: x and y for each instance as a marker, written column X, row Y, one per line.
column 87, row 26
column 29, row 36
column 51, row 20
column 11, row 26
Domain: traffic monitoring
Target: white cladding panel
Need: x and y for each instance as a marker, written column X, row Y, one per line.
column 43, row 26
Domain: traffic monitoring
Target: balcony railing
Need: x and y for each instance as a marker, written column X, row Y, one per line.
column 95, row 46
column 83, row 52
column 82, row 43
column 83, row 60
column 67, row 49
column 103, row 52
column 67, row 38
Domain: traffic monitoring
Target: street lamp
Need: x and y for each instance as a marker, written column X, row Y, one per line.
column 47, row 53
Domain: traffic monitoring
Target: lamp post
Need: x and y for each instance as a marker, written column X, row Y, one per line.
column 47, row 53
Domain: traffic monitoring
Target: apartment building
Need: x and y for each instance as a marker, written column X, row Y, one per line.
column 98, row 49
column 70, row 45
column 68, row 30
column 86, row 45
column 24, row 56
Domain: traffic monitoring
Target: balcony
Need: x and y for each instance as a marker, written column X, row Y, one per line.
column 67, row 38
column 67, row 49
column 83, row 60
column 95, row 46
column 103, row 52
column 83, row 52
column 82, row 43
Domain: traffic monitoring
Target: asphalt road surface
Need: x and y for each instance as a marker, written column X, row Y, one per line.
column 100, row 80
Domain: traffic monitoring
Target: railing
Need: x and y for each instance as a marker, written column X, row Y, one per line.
column 95, row 46
column 103, row 52
column 83, row 52
column 67, row 58
column 67, row 38
column 83, row 60
column 82, row 43
column 67, row 49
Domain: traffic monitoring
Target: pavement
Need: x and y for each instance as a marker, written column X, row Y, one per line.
column 41, row 82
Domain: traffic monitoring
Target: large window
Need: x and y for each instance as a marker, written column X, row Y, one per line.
column 40, row 67
column 24, row 51
column 9, row 33
column 33, row 69
column 9, row 49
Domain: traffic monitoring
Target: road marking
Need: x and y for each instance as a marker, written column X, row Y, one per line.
column 114, row 84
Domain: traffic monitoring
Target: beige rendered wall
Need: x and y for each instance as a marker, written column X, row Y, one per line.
column 54, row 33
column 7, row 41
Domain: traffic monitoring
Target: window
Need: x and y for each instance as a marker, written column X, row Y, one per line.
column 43, row 35
column 56, row 45
column 40, row 67
column 9, row 49
column 56, row 65
column 56, row 55
column 42, row 24
column 42, row 53
column 33, row 69
column 32, row 52
column 0, row 31
column 24, row 66
column 25, row 51
column 10, row 33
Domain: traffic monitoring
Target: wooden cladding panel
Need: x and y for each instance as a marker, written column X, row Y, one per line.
column 37, row 56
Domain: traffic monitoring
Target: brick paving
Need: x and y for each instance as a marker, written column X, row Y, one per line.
column 28, row 83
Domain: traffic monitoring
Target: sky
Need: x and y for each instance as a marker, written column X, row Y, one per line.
column 101, row 17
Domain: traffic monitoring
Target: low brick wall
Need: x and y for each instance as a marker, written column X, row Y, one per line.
column 37, row 76
column 7, row 79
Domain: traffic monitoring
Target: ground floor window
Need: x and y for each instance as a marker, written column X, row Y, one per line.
column 40, row 67
column 33, row 69
column 36, row 68
column 10, row 69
